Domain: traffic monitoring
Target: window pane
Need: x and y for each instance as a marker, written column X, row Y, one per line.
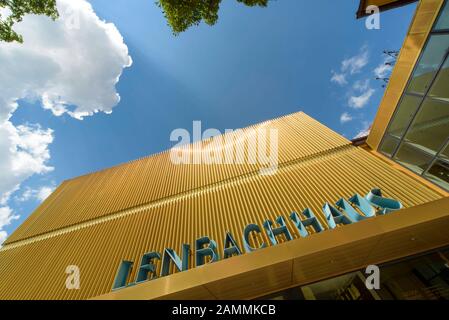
column 439, row 173
column 404, row 115
column 428, row 64
column 443, row 20
column 389, row 145
column 412, row 158
column 440, row 89
column 430, row 129
column 445, row 153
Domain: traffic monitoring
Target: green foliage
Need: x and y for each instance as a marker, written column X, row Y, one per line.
column 182, row 14
column 18, row 9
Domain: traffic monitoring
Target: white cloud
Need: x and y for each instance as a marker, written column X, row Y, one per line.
column 39, row 194
column 6, row 217
column 43, row 193
column 356, row 63
column 25, row 152
column 362, row 133
column 71, row 65
column 351, row 66
column 3, row 236
column 365, row 130
column 383, row 69
column 361, row 85
column 358, row 102
column 365, row 93
column 345, row 117
column 339, row 78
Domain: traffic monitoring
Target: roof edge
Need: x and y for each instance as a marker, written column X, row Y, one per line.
column 361, row 11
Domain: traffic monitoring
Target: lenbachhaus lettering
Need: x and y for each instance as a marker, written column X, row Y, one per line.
column 355, row 209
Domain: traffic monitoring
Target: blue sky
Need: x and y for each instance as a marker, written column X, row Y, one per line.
column 254, row 64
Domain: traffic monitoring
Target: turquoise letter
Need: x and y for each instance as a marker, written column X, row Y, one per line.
column 273, row 232
column 310, row 221
column 248, row 229
column 122, row 274
column 202, row 252
column 230, row 246
column 147, row 269
column 171, row 255
column 349, row 210
column 386, row 205
column 363, row 205
column 334, row 217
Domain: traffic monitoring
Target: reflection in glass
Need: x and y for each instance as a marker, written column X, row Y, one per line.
column 389, row 145
column 440, row 88
column 417, row 278
column 347, row 287
column 423, row 278
column 445, row 153
column 443, row 20
column 412, row 158
column 430, row 129
column 404, row 115
column 429, row 63
column 439, row 173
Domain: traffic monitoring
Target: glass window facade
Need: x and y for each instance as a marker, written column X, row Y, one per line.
column 439, row 88
column 424, row 277
column 428, row 64
column 443, row 20
column 430, row 128
column 404, row 115
column 418, row 134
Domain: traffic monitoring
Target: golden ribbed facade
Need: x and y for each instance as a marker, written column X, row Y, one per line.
column 97, row 220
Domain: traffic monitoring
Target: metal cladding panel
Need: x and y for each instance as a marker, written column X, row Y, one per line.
column 35, row 268
column 156, row 177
